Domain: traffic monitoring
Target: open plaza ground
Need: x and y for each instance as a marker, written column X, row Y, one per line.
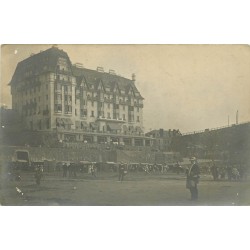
column 137, row 189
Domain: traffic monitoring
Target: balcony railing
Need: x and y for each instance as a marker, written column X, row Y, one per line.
column 107, row 133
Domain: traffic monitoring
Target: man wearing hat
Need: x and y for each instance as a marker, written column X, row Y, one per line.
column 121, row 171
column 193, row 178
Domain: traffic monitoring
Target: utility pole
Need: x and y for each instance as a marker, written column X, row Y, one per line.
column 237, row 116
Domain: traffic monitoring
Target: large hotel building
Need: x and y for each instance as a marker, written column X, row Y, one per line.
column 78, row 104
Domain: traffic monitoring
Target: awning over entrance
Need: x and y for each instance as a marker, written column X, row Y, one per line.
column 84, row 124
column 131, row 128
column 125, row 128
column 94, row 125
column 113, row 126
column 67, row 121
column 78, row 124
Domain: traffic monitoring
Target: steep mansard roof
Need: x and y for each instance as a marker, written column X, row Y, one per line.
column 93, row 77
column 46, row 61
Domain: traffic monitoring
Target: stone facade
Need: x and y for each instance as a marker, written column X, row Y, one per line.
column 52, row 94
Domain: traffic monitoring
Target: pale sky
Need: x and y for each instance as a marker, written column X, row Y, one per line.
column 186, row 87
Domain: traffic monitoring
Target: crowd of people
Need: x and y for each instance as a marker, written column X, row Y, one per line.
column 121, row 169
column 231, row 172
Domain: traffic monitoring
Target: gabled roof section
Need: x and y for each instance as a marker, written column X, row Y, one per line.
column 115, row 88
column 108, row 80
column 131, row 90
column 100, row 85
column 45, row 61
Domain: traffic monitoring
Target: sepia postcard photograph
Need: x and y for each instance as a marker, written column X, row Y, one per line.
column 125, row 125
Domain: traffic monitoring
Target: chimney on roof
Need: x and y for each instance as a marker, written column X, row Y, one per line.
column 133, row 77
column 78, row 65
column 100, row 69
column 112, row 72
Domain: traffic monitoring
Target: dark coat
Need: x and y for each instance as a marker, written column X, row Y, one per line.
column 193, row 175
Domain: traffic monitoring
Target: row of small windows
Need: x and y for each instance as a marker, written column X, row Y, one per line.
column 113, row 97
column 84, row 113
column 33, row 90
column 115, row 106
column 46, row 124
column 68, row 98
column 63, row 78
column 39, row 99
column 34, row 111
column 66, row 88
column 58, row 88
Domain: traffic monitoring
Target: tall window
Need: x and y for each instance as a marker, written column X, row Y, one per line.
column 58, row 108
column 68, row 109
column 84, row 112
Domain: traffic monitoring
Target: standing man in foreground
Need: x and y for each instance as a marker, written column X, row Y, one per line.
column 193, row 178
column 121, row 171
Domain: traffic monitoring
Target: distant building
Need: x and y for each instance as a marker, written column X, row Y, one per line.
column 52, row 94
column 230, row 143
column 163, row 138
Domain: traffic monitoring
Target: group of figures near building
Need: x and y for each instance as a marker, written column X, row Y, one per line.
column 73, row 170
column 232, row 173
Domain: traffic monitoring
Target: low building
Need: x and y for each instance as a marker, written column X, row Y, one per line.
column 163, row 139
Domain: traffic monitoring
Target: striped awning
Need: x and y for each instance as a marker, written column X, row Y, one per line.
column 125, row 128
column 84, row 124
column 67, row 121
column 94, row 125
